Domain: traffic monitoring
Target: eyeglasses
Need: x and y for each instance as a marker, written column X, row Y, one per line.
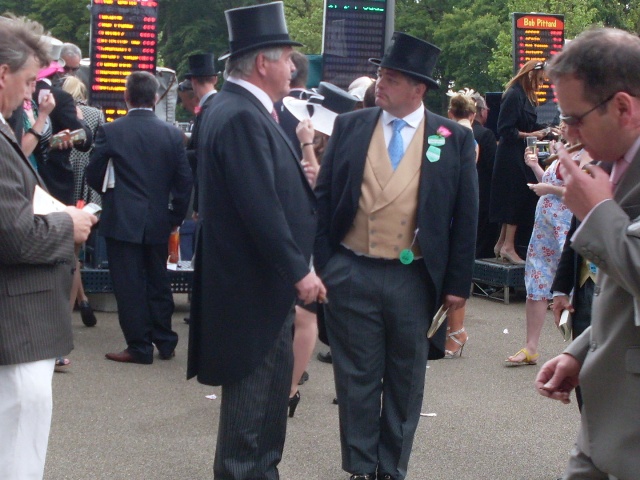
column 67, row 68
column 539, row 66
column 576, row 120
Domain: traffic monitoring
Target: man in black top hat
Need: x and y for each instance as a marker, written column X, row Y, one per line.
column 204, row 77
column 397, row 207
column 253, row 247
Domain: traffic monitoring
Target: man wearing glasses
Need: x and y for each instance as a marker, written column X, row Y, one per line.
column 71, row 54
column 597, row 83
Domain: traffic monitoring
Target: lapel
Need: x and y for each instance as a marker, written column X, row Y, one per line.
column 238, row 90
column 10, row 136
column 429, row 169
column 356, row 157
column 409, row 167
column 626, row 192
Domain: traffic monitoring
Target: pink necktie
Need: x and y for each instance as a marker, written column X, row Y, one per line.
column 274, row 114
column 618, row 171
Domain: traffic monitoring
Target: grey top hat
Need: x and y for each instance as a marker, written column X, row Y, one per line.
column 201, row 65
column 412, row 56
column 255, row 27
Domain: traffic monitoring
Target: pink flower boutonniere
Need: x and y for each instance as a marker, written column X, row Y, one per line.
column 436, row 142
column 443, row 132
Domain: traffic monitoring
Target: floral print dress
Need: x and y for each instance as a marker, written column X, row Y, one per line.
column 551, row 224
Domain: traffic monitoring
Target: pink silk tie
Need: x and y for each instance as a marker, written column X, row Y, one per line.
column 274, row 114
column 618, row 171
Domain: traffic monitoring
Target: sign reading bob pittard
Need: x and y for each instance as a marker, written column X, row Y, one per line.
column 124, row 39
column 537, row 36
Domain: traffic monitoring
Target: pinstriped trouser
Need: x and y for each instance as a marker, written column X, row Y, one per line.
column 253, row 416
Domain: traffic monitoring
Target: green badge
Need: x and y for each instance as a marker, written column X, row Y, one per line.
column 406, row 256
column 435, row 140
column 433, row 154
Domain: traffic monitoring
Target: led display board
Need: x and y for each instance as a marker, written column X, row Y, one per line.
column 124, row 39
column 354, row 31
column 537, row 36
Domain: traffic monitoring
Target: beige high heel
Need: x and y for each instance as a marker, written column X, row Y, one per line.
column 458, row 351
column 513, row 260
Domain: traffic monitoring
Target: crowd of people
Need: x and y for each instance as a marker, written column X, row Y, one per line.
column 354, row 215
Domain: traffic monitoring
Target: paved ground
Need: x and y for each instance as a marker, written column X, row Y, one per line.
column 120, row 421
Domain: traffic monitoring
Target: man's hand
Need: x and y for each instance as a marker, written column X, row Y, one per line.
column 311, row 289
column 560, row 304
column 558, row 377
column 583, row 191
column 451, row 302
column 82, row 223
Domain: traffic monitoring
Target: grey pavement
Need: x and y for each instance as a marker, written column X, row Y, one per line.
column 123, row 421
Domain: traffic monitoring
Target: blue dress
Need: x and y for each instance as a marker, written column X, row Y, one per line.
column 552, row 220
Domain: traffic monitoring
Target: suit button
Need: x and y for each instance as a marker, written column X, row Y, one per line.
column 596, row 290
column 593, row 346
column 373, row 231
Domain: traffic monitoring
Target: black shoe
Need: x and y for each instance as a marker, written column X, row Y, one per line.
column 293, row 404
column 303, row 378
column 87, row 315
column 384, row 476
column 325, row 357
column 167, row 356
column 186, row 320
column 363, row 476
column 335, row 400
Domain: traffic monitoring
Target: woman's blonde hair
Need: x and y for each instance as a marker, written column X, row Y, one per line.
column 462, row 106
column 76, row 88
column 526, row 79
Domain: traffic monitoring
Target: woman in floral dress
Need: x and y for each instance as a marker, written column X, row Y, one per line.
column 552, row 219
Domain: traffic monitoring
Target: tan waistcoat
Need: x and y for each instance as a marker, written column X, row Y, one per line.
column 385, row 222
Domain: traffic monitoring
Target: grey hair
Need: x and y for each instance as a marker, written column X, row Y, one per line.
column 20, row 39
column 243, row 66
column 70, row 49
column 605, row 60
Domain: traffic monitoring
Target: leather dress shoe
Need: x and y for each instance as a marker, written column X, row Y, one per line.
column 126, row 357
column 167, row 356
column 384, row 476
column 86, row 313
column 325, row 357
column 363, row 476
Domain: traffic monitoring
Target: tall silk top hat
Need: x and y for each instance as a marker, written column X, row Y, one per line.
column 255, row 27
column 412, row 56
column 322, row 107
column 201, row 65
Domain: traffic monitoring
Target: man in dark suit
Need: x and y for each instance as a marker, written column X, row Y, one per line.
column 36, row 265
column 148, row 198
column 397, row 204
column 487, row 231
column 204, row 77
column 258, row 220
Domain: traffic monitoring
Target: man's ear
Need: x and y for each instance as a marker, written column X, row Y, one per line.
column 4, row 71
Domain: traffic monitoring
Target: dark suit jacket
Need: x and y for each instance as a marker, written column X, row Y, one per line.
column 447, row 201
column 36, row 262
column 57, row 171
column 289, row 123
column 258, row 219
column 152, row 178
column 192, row 147
column 569, row 266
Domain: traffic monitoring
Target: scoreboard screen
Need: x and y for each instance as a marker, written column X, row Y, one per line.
column 124, row 39
column 354, row 31
column 537, row 36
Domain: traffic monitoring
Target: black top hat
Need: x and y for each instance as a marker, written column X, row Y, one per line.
column 334, row 98
column 201, row 65
column 255, row 27
column 412, row 56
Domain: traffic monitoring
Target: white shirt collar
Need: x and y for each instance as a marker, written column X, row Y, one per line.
column 2, row 119
column 631, row 153
column 207, row 95
column 141, row 108
column 256, row 91
column 413, row 119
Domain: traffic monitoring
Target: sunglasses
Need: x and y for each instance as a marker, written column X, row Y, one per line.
column 576, row 120
column 539, row 66
column 70, row 69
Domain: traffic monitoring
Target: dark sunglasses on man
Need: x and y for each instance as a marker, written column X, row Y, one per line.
column 69, row 69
